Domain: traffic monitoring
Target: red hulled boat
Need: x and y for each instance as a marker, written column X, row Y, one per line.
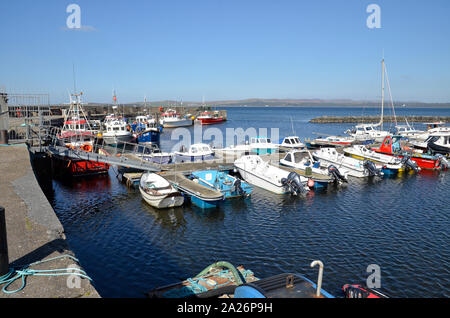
column 77, row 134
column 206, row 118
column 392, row 145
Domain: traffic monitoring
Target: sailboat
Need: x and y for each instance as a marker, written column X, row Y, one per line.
column 370, row 132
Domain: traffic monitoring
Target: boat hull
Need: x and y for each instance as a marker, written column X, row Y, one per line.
column 210, row 121
column 171, row 200
column 67, row 167
column 178, row 123
column 117, row 139
column 262, row 183
column 423, row 163
column 192, row 158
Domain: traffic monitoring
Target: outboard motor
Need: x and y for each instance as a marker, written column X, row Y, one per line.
column 408, row 163
column 336, row 174
column 238, row 187
column 371, row 168
column 294, row 183
column 443, row 162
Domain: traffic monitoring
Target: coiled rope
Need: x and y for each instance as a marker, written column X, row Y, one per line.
column 23, row 272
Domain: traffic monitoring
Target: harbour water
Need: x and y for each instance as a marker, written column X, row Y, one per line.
column 401, row 224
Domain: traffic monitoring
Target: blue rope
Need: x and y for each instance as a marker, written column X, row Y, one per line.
column 23, row 272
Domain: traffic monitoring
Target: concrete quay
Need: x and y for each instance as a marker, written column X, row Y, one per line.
column 34, row 232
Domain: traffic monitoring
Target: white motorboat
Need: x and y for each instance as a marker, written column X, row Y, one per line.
column 350, row 166
column 332, row 141
column 196, row 152
column 172, row 119
column 304, row 161
column 368, row 133
column 158, row 192
column 432, row 129
column 362, row 152
column 392, row 163
column 408, row 132
column 116, row 131
column 256, row 171
column 262, row 146
column 292, row 142
column 436, row 143
column 234, row 150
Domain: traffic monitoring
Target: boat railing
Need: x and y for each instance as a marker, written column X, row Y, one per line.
column 125, row 150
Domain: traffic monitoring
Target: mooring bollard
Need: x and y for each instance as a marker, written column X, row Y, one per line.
column 4, row 262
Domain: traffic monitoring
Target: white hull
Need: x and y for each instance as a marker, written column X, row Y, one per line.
column 170, row 200
column 261, row 174
column 176, row 123
column 253, row 179
column 346, row 165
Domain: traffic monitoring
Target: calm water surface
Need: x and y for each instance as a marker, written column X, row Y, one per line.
column 401, row 224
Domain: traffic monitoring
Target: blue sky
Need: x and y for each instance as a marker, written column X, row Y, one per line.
column 228, row 49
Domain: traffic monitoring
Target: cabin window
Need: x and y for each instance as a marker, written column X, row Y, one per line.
column 288, row 141
column 297, row 157
column 288, row 157
column 268, row 140
column 297, row 140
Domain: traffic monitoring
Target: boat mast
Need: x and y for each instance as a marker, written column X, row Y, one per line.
column 382, row 93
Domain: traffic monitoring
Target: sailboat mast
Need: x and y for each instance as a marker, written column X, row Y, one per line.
column 382, row 93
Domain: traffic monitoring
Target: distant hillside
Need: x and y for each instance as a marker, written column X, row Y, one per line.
column 293, row 102
column 253, row 102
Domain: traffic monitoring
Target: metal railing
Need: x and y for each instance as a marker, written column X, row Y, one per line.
column 125, row 154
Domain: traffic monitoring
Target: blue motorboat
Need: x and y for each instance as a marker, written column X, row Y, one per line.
column 229, row 186
column 149, row 135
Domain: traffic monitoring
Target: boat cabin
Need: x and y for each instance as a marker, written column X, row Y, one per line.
column 199, row 148
column 292, row 142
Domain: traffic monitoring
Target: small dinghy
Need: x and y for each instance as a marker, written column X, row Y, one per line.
column 223, row 280
column 256, row 171
column 196, row 152
column 350, row 166
column 304, row 161
column 158, row 192
column 229, row 186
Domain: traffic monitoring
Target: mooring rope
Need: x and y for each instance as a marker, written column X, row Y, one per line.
column 23, row 272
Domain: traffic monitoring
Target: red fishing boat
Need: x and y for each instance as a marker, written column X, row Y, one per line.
column 206, row 118
column 77, row 134
column 392, row 145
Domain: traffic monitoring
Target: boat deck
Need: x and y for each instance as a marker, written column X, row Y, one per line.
column 313, row 175
column 182, row 183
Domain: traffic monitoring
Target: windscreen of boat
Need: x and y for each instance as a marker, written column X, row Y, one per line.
column 297, row 157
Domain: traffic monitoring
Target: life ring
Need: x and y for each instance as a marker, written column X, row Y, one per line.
column 87, row 147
